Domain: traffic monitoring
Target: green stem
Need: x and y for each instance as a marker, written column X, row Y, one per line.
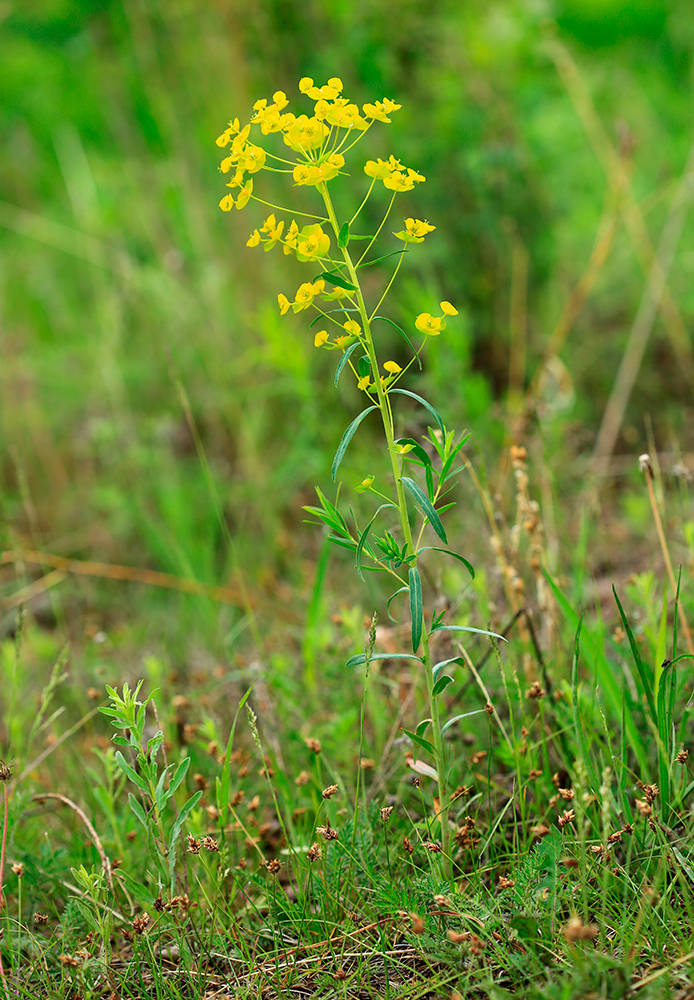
column 387, row 418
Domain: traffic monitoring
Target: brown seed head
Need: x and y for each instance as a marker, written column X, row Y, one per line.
column 273, row 866
column 340, row 974
column 140, row 923
column 328, row 792
column 69, row 961
column 254, row 804
column 417, row 923
column 18, row 869
column 303, row 778
column 682, row 757
column 407, row 845
column 313, row 745
column 327, row 832
column 193, row 844
column 314, row 852
column 541, row 830
column 385, row 813
column 40, row 919
column 506, row 883
column 568, row 816
column 210, row 844
column 575, row 930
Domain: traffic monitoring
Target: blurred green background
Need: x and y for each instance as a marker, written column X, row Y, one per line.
column 124, row 291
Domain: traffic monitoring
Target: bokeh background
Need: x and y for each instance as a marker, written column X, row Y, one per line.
column 554, row 137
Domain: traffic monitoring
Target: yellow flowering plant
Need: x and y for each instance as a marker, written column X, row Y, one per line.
column 316, row 147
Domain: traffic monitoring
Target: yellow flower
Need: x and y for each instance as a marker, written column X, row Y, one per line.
column 381, row 109
column 328, row 92
column 448, row 309
column 254, row 239
column 343, row 342
column 283, row 303
column 302, row 173
column 290, row 238
column 364, row 383
column 227, row 203
column 252, row 159
column 365, row 484
column 352, row 327
column 430, row 326
column 304, row 133
column 245, row 194
column 414, row 176
column 398, row 181
column 321, row 338
column 304, row 296
column 377, row 168
column 313, row 243
column 269, row 224
column 393, row 367
column 402, row 449
column 345, row 115
column 274, row 235
column 226, row 164
column 415, row 230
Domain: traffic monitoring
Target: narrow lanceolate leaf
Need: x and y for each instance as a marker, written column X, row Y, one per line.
column 137, row 809
column 356, row 661
column 402, row 332
column 344, row 359
column 423, row 402
column 421, row 768
column 427, row 507
column 438, row 667
column 441, row 684
column 457, row 718
column 468, row 628
column 462, row 559
column 343, row 237
column 365, row 534
column 336, row 279
column 421, row 742
column 402, row 590
column 347, row 437
column 640, row 666
column 131, row 773
column 416, row 608
column 182, row 817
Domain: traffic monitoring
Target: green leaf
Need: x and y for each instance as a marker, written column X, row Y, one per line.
column 137, row 809
column 426, row 505
column 424, row 744
column 416, row 450
column 364, row 365
column 445, row 468
column 402, row 590
column 376, row 260
column 344, row 359
column 434, row 548
column 457, row 718
column 180, row 774
column 416, row 609
column 344, row 543
column 438, row 667
column 423, row 726
column 356, row 661
column 428, row 406
column 640, row 666
column 403, row 334
column 365, row 534
column 343, row 236
column 441, row 684
column 182, row 817
column 468, row 628
column 334, row 278
column 131, row 773
column 347, row 437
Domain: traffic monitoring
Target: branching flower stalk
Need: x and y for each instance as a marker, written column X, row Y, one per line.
column 320, row 143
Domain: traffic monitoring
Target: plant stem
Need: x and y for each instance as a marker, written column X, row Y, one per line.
column 387, row 418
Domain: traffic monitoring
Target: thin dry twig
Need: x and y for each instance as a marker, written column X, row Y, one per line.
column 132, row 574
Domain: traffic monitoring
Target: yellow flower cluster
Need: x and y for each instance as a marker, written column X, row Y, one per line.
column 313, row 137
column 394, row 176
column 432, row 326
column 305, row 294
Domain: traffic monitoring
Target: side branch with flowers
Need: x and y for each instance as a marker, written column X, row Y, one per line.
column 315, row 155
